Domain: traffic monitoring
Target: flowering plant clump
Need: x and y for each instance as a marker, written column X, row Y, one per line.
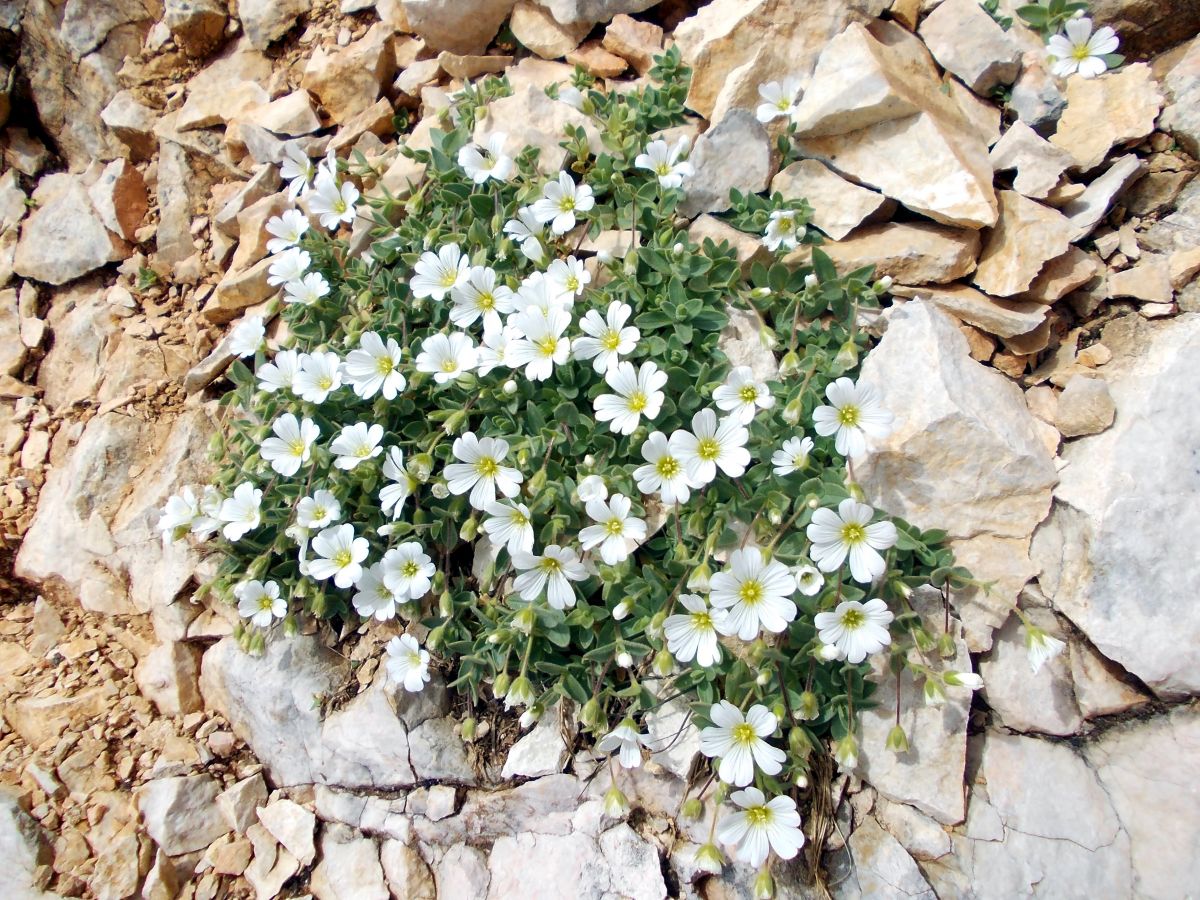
column 510, row 427
column 1072, row 46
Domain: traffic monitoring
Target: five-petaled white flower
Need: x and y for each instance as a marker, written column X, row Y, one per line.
column 784, row 229
column 809, row 579
column 260, row 602
column 756, row 592
column 340, row 555
column 591, row 487
column 436, row 274
column 332, row 203
column 488, row 161
column 374, row 367
column 542, row 345
column 792, row 456
column 561, row 200
column 408, row 662
column 568, row 279
column 664, row 472
column 478, row 296
column 447, row 357
column 663, row 160
column 849, row 532
column 761, row 826
column 779, row 100
column 608, row 338
column 616, row 531
column 509, row 523
column 856, row 629
column 551, row 572
column 713, row 444
column 855, row 412
column 320, row 375
column 528, row 231
column 319, row 510
column 481, row 470
column 638, row 393
column 738, row 741
column 1041, row 647
column 241, row 512
column 286, row 229
column 372, row 598
column 288, row 266
column 493, row 350
column 307, row 290
column 296, row 169
column 742, row 395
column 178, row 514
column 400, row 484
column 1079, row 50
column 247, row 336
column 694, row 634
column 355, row 444
column 291, row 446
column 280, row 372
column 627, row 741
column 408, row 571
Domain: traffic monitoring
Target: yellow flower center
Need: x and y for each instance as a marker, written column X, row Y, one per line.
column 614, row 527
column 362, row 451
column 708, row 449
column 572, row 283
column 748, row 393
column 550, row 565
column 548, row 345
column 449, row 365
column 265, row 602
column 297, row 447
column 343, row 558
column 1081, row 52
column 702, row 621
column 750, row 593
column 566, row 204
column 782, row 104
column 743, row 733
column 487, row 302
column 637, row 402
column 449, row 277
column 611, row 341
column 414, row 659
column 487, row 467
column 384, row 365
column 758, row 816
column 319, row 513
column 324, row 382
column 339, row 206
column 410, row 569
column 668, row 467
column 853, row 533
column 853, row 619
column 848, row 415
column 519, row 518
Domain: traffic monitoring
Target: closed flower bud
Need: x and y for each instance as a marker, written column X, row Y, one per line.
column 520, row 692
column 854, row 489
column 935, row 695
column 780, row 712
column 664, row 663
column 800, row 781
column 467, row 730
column 847, row 357
column 604, row 257
column 530, row 717
column 764, row 886
column 761, row 293
column 525, row 619
column 621, row 610
column 793, row 411
column 678, row 248
column 500, row 685
column 700, row 579
column 445, row 605
column 509, row 387
column 439, row 490
column 964, row 679
column 709, row 859
column 845, row 752
column 590, row 714
column 692, row 808
column 829, row 652
column 762, row 678
column 654, row 629
column 469, row 529
column 799, row 743
column 897, row 740
column 536, row 482
column 435, row 637
column 775, row 517
column 924, row 640
column 809, row 708
column 624, row 660
column 420, row 467
column 811, row 281
column 290, row 626
column 883, row 285
column 454, row 421
column 945, row 646
column 790, row 364
column 616, row 804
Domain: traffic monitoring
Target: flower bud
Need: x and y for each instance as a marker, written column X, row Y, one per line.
column 793, row 411
column 590, row 714
column 709, row 859
column 883, row 285
column 495, row 637
column 897, row 740
column 445, row 605
column 435, row 637
column 811, row 281
column 454, row 421
column 761, row 293
column 701, row 578
column 762, row 678
column 935, row 694
column 621, row 610
column 536, row 482
column 809, row 708
column 624, row 660
column 509, row 387
column 439, row 490
column 790, row 364
column 469, row 529
column 530, row 717
column 655, row 628
column 467, row 730
column 692, row 808
column 801, row 781
column 500, row 685
column 847, row 357
column 945, row 646
column 764, row 886
column 520, row 692
column 616, row 804
column 845, row 752
column 963, row 679
column 779, row 711
column 829, row 652
column 290, row 626
column 664, row 663
column 775, row 517
column 924, row 640
column 604, row 257
column 677, row 249
column 525, row 619
column 420, row 467
column 799, row 743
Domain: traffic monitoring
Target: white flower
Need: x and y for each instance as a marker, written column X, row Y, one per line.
column 663, row 160
column 1081, row 51
column 290, row 265
column 756, row 592
column 779, row 100
column 568, row 278
column 408, row 571
column 664, row 471
column 741, row 395
column 260, row 602
column 393, row 495
column 493, row 351
column 291, row 446
column 592, row 487
column 608, row 339
column 625, row 739
column 479, row 296
column 355, row 444
column 849, row 532
column 481, row 470
column 809, row 579
column 509, row 523
column 760, row 827
column 561, row 200
column 209, row 520
column 488, row 161
column 307, row 290
column 288, row 228
column 792, row 456
column 713, row 444
column 537, row 292
column 572, row 96
column 340, row 555
column 280, row 372
column 333, row 204
column 784, row 229
column 375, row 367
column 178, row 514
column 247, row 336
column 694, row 634
column 856, row 629
column 638, row 393
column 964, row 679
column 241, row 511
column 738, row 741
column 528, row 231
column 373, row 599
column 1041, row 647
column 437, row 273
column 542, row 345
column 855, row 412
column 320, row 375
column 319, row 510
column 551, row 572
column 616, row 531
column 407, row 662
column 447, row 357
column 296, row 169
